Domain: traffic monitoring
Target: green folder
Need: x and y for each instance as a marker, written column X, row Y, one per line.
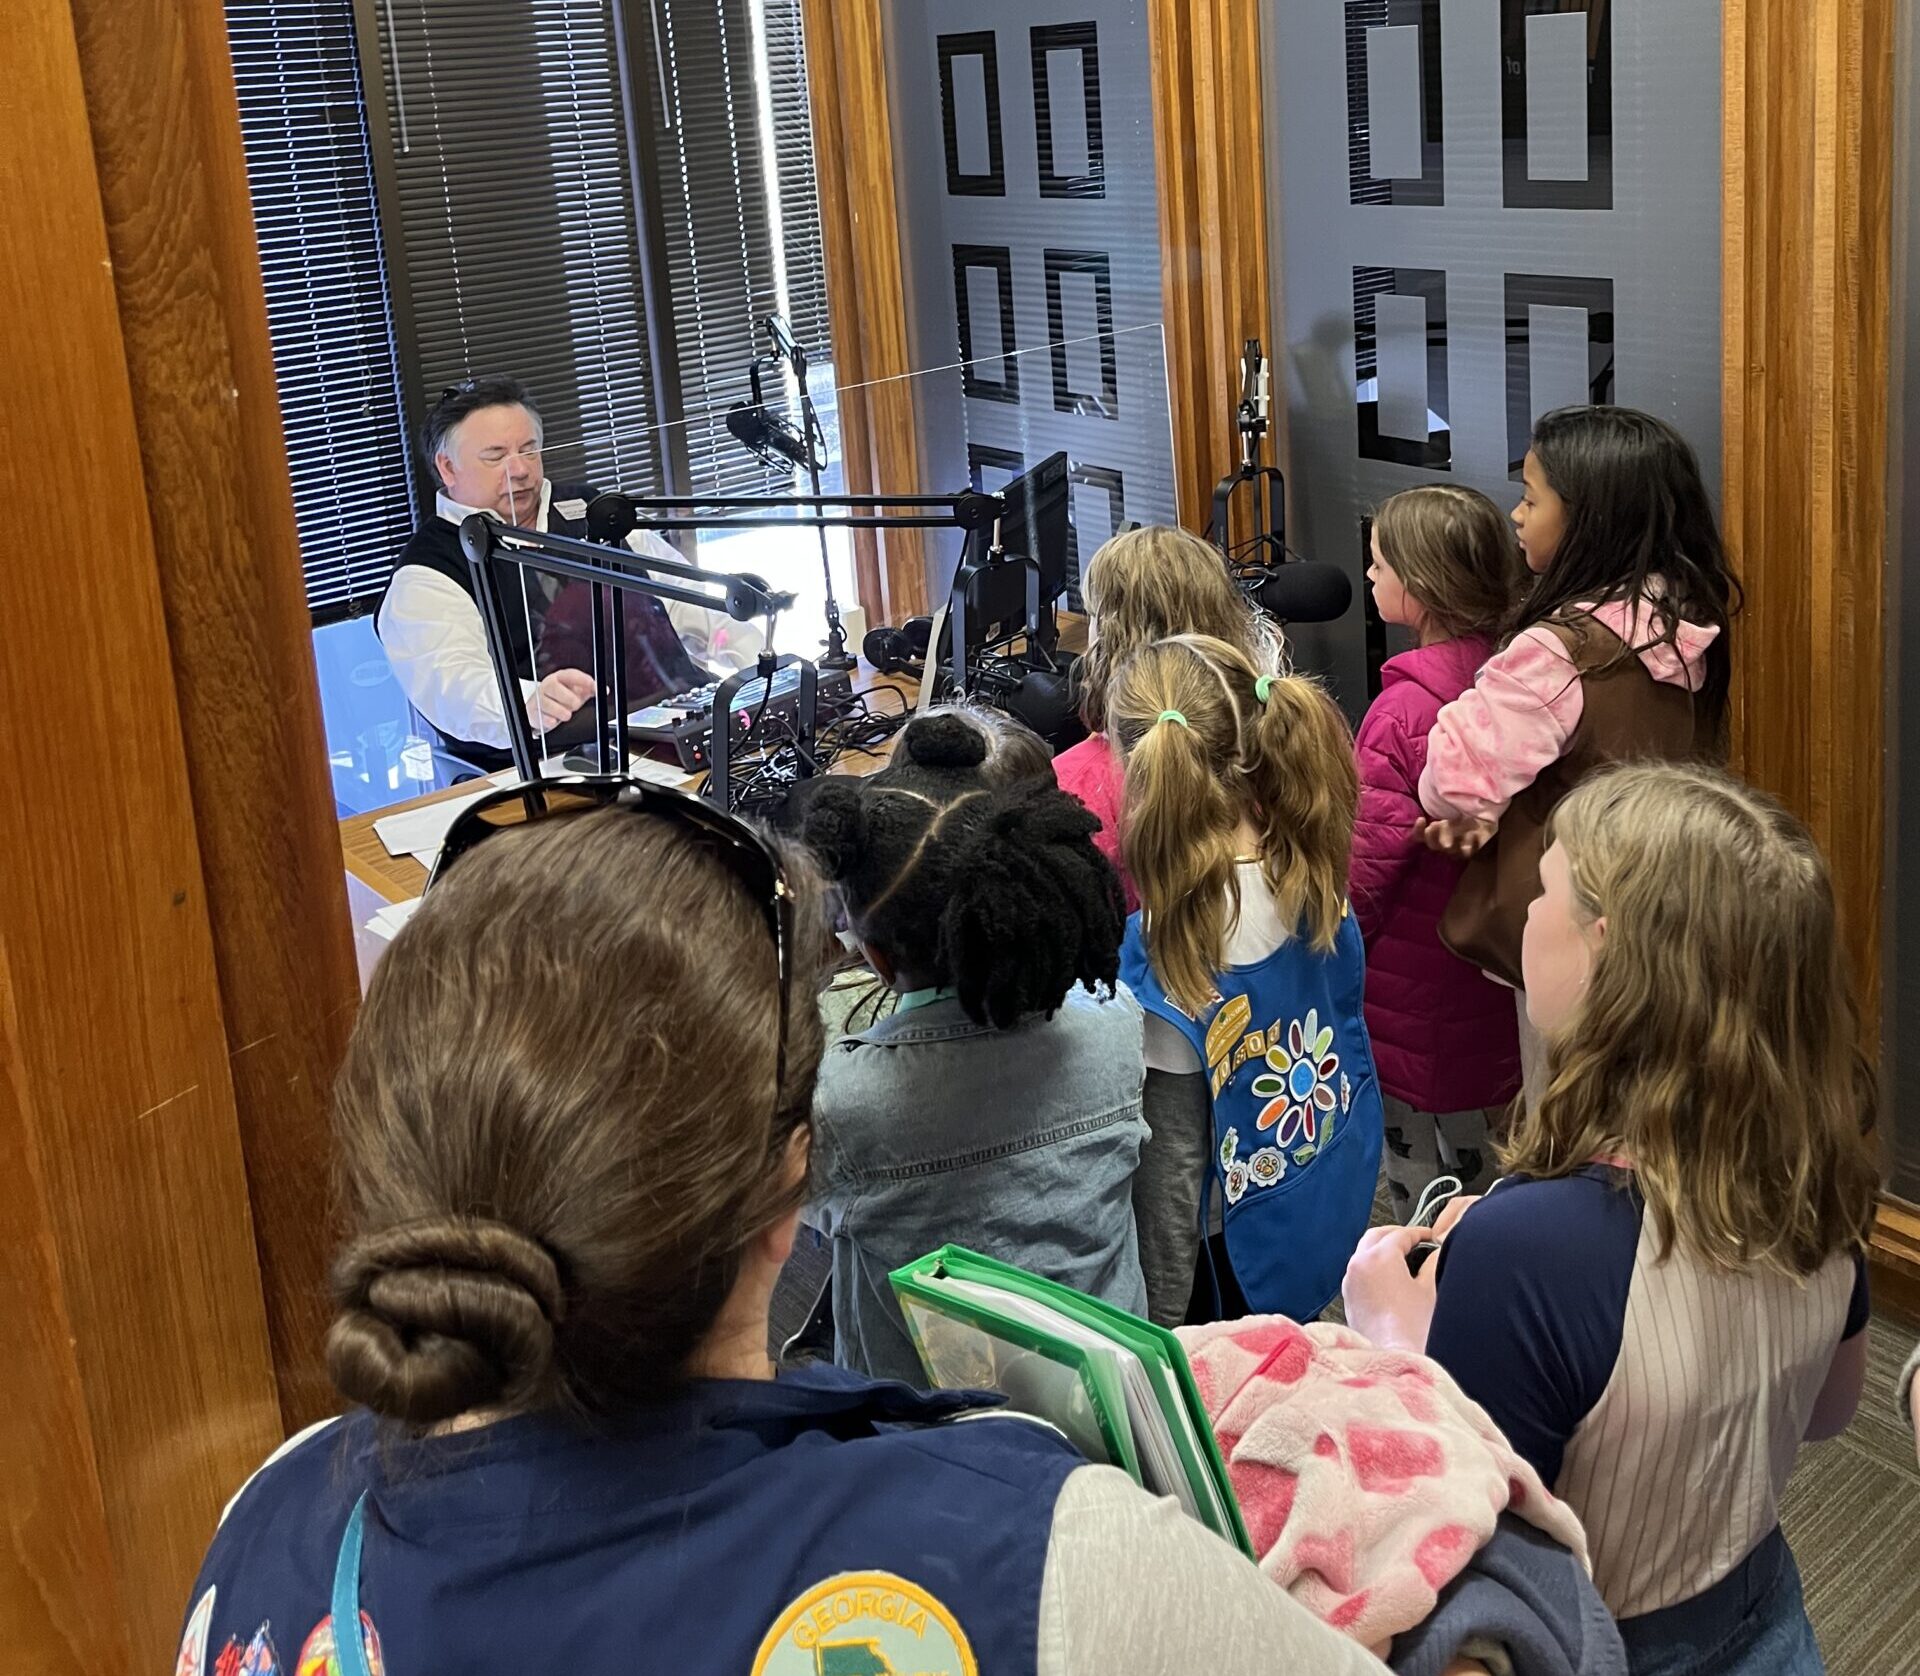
column 1117, row 1387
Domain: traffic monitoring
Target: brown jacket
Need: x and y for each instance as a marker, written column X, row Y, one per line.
column 1626, row 716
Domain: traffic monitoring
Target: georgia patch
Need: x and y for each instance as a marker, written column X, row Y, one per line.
column 865, row 1623
column 319, row 1656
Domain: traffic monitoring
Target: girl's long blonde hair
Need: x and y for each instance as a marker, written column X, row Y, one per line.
column 1143, row 585
column 1284, row 763
column 1717, row 1043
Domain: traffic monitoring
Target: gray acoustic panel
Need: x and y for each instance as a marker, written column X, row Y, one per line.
column 1560, row 350
column 1086, row 376
column 1395, row 110
column 1096, row 510
column 1400, row 366
column 990, row 469
column 1068, row 133
column 970, row 114
column 1520, row 268
column 1556, row 89
column 1557, row 100
column 1076, row 112
column 983, row 306
column 1393, row 103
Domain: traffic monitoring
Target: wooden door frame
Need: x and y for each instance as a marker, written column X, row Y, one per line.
column 175, row 967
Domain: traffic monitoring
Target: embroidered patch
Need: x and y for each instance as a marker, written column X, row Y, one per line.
column 865, row 1623
column 1266, row 1166
column 319, row 1656
column 193, row 1645
column 1236, row 1180
column 1227, row 1024
column 260, row 1658
column 1303, row 1089
column 1229, row 1148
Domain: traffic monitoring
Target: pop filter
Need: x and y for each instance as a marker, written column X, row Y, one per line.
column 1301, row 591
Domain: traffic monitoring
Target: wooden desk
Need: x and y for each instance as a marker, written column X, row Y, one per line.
column 376, row 879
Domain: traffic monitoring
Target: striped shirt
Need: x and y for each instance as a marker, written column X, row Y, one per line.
column 1663, row 1401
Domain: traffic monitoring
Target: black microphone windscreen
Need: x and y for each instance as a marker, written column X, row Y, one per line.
column 1304, row 591
column 749, row 426
column 767, row 434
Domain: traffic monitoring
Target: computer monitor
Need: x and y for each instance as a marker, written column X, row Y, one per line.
column 1033, row 527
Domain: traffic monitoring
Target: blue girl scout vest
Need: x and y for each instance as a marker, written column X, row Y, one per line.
column 1297, row 1121
column 814, row 1525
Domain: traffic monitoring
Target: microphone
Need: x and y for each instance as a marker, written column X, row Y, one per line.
column 1302, row 591
column 768, row 437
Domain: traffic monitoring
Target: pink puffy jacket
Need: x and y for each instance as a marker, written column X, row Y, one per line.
column 1093, row 774
column 1444, row 1036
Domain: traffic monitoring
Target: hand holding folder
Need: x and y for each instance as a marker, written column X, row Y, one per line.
column 1117, row 1387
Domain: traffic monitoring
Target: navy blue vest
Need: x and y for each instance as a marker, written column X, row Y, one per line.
column 1297, row 1121
column 817, row 1523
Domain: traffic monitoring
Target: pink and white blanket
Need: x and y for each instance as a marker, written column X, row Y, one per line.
column 1367, row 1478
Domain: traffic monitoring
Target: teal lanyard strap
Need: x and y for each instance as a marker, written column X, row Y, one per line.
column 349, row 1650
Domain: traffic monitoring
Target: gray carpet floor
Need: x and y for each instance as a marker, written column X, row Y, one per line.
column 1852, row 1514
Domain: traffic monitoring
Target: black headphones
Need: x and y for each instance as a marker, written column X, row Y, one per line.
column 900, row 651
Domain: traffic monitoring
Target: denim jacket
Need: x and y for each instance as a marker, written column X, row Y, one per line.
column 1021, row 1144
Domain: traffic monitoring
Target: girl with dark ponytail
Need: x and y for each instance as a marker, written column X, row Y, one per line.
column 999, row 1107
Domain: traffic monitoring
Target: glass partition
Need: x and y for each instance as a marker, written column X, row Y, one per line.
column 1485, row 212
column 1119, row 465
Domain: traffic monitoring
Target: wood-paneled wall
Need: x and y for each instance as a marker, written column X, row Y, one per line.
column 1807, row 208
column 860, row 224
column 1209, row 133
column 175, row 967
column 186, row 271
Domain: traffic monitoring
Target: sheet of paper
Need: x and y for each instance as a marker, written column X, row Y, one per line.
column 414, row 831
column 420, row 832
column 387, row 923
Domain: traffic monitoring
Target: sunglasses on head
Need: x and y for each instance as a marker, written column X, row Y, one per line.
column 745, row 851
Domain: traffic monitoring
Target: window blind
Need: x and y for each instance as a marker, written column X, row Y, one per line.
column 516, row 219
column 739, row 208
column 304, row 128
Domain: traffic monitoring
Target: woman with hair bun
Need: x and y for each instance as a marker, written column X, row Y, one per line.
column 573, row 1132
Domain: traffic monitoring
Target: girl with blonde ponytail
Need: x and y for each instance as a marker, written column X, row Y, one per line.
column 1238, row 821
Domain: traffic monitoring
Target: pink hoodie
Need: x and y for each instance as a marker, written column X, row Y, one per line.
column 1092, row 772
column 1491, row 742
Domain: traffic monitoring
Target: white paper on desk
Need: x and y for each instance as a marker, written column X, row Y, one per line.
column 421, row 831
column 387, row 923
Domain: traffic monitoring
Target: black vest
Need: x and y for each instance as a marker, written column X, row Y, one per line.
column 657, row 663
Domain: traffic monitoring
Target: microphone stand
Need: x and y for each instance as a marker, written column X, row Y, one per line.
column 1265, row 481
column 789, row 353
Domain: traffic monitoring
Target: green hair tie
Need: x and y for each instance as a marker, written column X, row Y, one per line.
column 1171, row 716
column 1263, row 688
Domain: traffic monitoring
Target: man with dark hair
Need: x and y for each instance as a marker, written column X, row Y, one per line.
column 482, row 443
